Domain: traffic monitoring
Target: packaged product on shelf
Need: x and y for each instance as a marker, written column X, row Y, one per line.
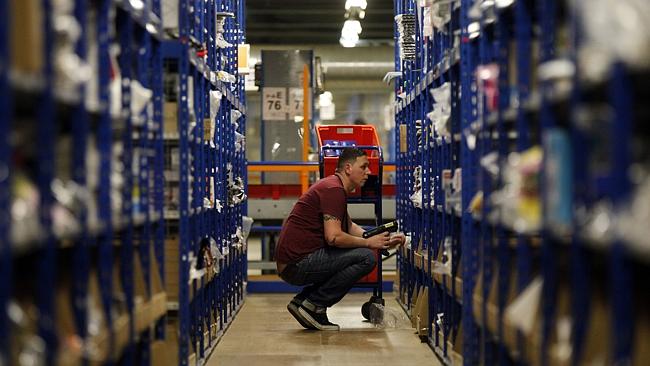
column 197, row 271
column 488, row 87
column 614, row 30
column 169, row 14
column 215, row 103
column 225, row 247
column 443, row 265
column 558, row 74
column 207, row 203
column 416, row 197
column 519, row 200
column 216, row 255
column 633, row 219
column 406, row 32
column 220, row 22
column 236, row 191
column 237, row 239
column 234, row 116
column 226, row 77
column 240, row 142
column 71, row 199
column 418, row 131
column 70, row 70
column 25, row 222
column 440, row 13
column 140, row 97
column 424, row 6
column 247, row 223
column 558, row 181
column 117, row 177
column 440, row 116
column 448, row 189
column 190, row 99
column 524, row 310
column 116, row 82
column 490, row 162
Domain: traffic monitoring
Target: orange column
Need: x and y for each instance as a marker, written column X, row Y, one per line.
column 306, row 133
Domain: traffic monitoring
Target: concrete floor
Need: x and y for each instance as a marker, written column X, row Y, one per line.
column 265, row 334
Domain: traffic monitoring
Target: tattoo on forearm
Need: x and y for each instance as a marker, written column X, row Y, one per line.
column 330, row 217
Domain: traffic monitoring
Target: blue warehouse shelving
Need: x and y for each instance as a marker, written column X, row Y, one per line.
column 85, row 219
column 518, row 181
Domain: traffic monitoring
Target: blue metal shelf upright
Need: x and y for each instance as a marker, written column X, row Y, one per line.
column 203, row 209
column 529, row 190
column 83, row 234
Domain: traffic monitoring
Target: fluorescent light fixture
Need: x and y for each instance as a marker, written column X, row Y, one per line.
column 347, row 43
column 350, row 33
column 137, row 4
column 351, row 27
column 504, row 3
column 325, row 99
column 356, row 4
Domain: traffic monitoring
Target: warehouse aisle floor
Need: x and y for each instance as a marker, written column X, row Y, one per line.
column 265, row 334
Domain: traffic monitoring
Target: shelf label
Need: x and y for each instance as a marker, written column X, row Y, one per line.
column 274, row 102
column 296, row 99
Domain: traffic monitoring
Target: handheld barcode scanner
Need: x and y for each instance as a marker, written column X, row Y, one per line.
column 390, row 227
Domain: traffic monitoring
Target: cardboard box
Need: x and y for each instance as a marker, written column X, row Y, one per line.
column 641, row 351
column 27, row 37
column 170, row 118
column 600, row 334
column 416, row 294
column 69, row 352
column 422, row 313
column 158, row 295
column 243, row 53
column 403, row 142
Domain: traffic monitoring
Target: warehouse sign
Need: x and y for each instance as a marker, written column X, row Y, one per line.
column 274, row 104
column 295, row 102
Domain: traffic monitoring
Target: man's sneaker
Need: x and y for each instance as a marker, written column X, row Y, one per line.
column 317, row 320
column 293, row 306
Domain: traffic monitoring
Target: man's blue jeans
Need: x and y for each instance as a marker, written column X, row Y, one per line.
column 329, row 273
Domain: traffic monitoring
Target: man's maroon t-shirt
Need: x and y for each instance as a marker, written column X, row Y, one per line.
column 303, row 232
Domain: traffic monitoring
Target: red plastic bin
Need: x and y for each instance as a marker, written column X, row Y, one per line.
column 349, row 135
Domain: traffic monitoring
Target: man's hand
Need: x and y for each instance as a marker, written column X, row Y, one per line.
column 380, row 241
column 397, row 239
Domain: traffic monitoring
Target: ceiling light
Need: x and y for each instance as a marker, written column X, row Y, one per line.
column 504, row 3
column 356, row 4
column 137, row 4
column 325, row 99
column 347, row 43
column 352, row 37
column 351, row 27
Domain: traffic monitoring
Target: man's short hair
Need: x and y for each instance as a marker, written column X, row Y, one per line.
column 349, row 155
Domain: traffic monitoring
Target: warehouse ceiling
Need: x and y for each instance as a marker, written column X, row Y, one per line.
column 290, row 22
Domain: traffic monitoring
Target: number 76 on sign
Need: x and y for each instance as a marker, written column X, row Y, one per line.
column 274, row 104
